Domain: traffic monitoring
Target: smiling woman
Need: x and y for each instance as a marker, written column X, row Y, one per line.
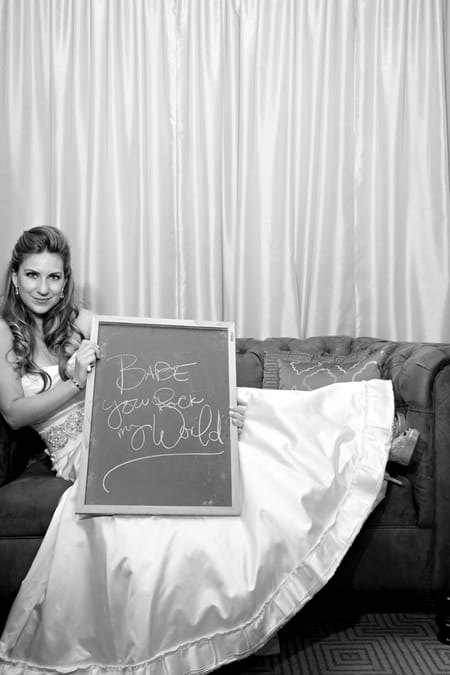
column 173, row 594
column 42, row 327
column 184, row 594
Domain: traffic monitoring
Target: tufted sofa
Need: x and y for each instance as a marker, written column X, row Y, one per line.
column 403, row 547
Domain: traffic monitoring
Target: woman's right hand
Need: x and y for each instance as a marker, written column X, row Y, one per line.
column 85, row 360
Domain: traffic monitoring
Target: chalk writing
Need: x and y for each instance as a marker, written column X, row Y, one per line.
column 139, row 459
column 172, row 416
column 132, row 376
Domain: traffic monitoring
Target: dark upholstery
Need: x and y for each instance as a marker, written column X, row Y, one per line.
column 27, row 503
column 404, row 545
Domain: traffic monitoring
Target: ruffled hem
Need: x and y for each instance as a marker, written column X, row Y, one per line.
column 295, row 590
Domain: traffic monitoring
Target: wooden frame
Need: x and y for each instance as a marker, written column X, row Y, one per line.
column 157, row 434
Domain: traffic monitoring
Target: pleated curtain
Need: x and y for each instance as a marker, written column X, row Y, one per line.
column 283, row 164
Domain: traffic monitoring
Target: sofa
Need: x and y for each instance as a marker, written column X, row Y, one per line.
column 403, row 549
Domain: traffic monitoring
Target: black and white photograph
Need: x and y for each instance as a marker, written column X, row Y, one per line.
column 224, row 337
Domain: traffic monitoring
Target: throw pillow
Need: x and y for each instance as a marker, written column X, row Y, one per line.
column 320, row 371
column 271, row 362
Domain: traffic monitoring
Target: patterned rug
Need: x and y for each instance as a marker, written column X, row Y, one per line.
column 355, row 644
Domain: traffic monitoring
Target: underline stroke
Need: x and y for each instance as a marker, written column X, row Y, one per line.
column 171, row 454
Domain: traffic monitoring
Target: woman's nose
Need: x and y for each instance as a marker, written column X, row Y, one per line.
column 43, row 287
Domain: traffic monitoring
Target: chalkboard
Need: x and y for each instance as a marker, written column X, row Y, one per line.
column 158, row 436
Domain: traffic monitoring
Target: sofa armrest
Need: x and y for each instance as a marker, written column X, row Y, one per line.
column 420, row 384
column 413, row 367
column 441, row 399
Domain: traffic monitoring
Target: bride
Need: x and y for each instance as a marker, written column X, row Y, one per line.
column 174, row 595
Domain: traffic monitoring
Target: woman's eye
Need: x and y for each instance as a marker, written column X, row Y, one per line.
column 31, row 275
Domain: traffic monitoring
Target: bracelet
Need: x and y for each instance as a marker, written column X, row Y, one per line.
column 76, row 383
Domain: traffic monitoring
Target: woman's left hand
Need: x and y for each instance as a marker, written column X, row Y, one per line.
column 237, row 415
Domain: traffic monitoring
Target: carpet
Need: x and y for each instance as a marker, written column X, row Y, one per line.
column 353, row 644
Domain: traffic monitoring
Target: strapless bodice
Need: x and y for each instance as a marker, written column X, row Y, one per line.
column 62, row 431
column 32, row 384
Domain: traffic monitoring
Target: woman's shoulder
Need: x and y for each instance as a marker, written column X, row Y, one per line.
column 84, row 321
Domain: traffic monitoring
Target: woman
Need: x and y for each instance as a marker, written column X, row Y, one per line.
column 42, row 332
column 152, row 595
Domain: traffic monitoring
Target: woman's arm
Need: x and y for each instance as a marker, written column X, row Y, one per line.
column 19, row 410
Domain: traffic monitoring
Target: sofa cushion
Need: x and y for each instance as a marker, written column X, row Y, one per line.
column 28, row 502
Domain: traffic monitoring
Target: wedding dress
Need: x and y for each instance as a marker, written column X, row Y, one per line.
column 168, row 595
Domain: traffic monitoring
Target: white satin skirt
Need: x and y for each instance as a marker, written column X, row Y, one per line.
column 166, row 595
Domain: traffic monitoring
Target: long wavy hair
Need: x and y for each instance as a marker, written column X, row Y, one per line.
column 60, row 333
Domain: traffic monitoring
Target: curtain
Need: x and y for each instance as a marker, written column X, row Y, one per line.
column 280, row 164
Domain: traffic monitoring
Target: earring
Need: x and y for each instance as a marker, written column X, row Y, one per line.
column 17, row 290
column 61, row 295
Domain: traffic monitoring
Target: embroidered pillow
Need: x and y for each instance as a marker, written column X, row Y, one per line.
column 271, row 363
column 312, row 372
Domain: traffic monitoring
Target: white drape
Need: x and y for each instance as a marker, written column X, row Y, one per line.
column 283, row 164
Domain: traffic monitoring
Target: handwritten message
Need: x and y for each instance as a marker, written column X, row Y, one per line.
column 153, row 416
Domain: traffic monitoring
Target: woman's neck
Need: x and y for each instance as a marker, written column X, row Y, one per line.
column 42, row 356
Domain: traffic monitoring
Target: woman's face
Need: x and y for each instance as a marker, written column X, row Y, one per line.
column 40, row 281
